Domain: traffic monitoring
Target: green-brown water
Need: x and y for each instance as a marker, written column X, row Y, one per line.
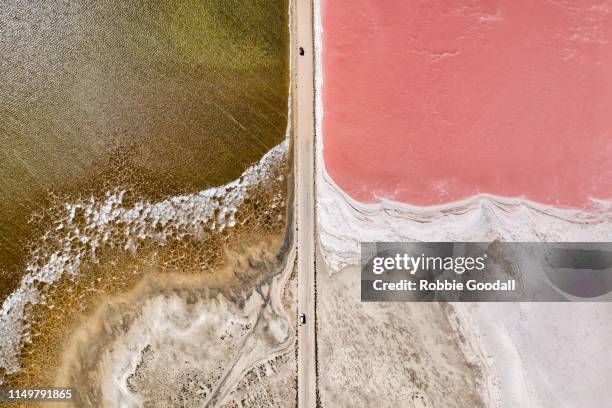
column 165, row 97
column 143, row 100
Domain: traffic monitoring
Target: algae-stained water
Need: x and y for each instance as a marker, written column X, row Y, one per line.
column 172, row 96
column 115, row 117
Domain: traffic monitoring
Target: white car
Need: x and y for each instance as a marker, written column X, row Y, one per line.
column 302, row 319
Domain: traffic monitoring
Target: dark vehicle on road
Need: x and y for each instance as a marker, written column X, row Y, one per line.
column 301, row 50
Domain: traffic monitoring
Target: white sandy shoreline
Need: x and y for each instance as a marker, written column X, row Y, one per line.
column 344, row 222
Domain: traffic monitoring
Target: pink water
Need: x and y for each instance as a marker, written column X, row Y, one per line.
column 427, row 102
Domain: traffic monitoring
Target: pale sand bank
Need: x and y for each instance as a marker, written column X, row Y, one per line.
column 530, row 354
column 386, row 354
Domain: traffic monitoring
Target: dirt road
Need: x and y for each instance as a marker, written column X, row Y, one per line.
column 303, row 105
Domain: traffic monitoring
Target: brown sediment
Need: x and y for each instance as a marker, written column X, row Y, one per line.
column 227, row 261
column 114, row 314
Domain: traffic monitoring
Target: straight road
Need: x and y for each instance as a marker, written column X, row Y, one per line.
column 303, row 104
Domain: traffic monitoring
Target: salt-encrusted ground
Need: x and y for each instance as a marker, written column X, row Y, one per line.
column 170, row 343
column 530, row 354
column 75, row 239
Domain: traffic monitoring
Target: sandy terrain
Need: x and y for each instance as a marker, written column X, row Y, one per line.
column 387, row 355
column 175, row 343
column 528, row 354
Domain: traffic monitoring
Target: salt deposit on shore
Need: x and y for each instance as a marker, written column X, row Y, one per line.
column 531, row 354
column 110, row 222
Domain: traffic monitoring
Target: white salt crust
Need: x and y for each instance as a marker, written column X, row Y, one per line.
column 108, row 221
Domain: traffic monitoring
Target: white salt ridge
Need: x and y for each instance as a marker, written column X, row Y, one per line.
column 107, row 222
column 344, row 222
